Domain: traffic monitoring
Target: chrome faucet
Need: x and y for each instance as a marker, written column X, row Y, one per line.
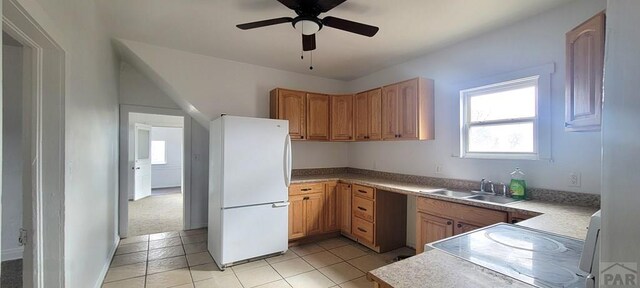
column 483, row 186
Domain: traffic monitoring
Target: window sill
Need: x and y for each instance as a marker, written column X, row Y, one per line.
column 498, row 156
column 164, row 163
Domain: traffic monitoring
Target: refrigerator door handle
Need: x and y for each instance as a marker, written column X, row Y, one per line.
column 279, row 205
column 287, row 161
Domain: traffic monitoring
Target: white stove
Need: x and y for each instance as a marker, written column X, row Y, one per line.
column 535, row 257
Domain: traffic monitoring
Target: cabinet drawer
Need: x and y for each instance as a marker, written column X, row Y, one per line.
column 468, row 214
column 364, row 191
column 363, row 208
column 308, row 188
column 362, row 229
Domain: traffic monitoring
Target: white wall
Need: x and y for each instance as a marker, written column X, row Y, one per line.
column 206, row 87
column 12, row 151
column 621, row 135
column 170, row 173
column 91, row 139
column 530, row 43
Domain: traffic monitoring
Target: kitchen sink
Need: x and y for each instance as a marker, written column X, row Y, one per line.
column 493, row 199
column 456, row 194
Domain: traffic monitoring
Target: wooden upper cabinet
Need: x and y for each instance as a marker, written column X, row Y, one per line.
column 408, row 110
column 361, row 115
column 375, row 114
column 290, row 105
column 390, row 112
column 342, row 118
column 317, row 116
column 584, row 75
column 367, row 114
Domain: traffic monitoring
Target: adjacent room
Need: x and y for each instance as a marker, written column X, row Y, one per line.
column 156, row 151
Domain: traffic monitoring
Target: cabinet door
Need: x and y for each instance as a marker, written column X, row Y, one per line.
column 390, row 112
column 408, row 109
column 317, row 117
column 431, row 228
column 296, row 217
column 331, row 207
column 361, row 115
column 291, row 106
column 462, row 227
column 375, row 114
column 342, row 117
column 344, row 207
column 584, row 72
column 314, row 213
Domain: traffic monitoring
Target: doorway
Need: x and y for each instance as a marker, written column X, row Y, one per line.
column 154, row 188
column 156, row 201
column 13, row 174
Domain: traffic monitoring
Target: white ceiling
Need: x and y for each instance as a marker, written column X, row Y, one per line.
column 408, row 28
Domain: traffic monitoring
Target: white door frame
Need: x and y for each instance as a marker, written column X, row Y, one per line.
column 125, row 170
column 46, row 129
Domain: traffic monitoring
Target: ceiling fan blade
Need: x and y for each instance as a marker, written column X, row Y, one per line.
column 291, row 4
column 308, row 42
column 326, row 5
column 350, row 26
column 263, row 23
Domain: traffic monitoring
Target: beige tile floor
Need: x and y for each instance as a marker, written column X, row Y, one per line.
column 180, row 259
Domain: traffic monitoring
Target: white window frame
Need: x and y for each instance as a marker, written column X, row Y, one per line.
column 466, row 124
column 165, row 153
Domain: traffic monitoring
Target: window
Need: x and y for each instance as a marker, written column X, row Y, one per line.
column 158, row 152
column 500, row 121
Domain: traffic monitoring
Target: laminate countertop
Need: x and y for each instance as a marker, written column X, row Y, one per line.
column 434, row 268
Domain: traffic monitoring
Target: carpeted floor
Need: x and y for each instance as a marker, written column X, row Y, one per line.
column 11, row 274
column 155, row 214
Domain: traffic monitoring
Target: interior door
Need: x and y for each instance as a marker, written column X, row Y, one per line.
column 142, row 160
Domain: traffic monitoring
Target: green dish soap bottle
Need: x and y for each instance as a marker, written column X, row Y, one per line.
column 517, row 186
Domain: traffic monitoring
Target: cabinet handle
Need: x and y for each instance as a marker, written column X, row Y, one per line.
column 365, row 231
column 399, row 135
column 449, row 223
column 363, row 209
column 567, row 124
column 305, row 198
column 459, row 225
column 362, row 191
column 301, row 137
column 305, row 189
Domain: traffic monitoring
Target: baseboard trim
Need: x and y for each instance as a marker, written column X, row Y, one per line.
column 12, row 254
column 105, row 268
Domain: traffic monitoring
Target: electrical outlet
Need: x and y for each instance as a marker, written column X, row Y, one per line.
column 438, row 169
column 574, row 179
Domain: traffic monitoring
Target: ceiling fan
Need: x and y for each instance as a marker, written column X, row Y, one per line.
column 308, row 23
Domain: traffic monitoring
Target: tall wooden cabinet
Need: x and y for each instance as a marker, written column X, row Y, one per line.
column 342, row 118
column 367, row 115
column 290, row 105
column 317, row 111
column 584, row 75
column 408, row 110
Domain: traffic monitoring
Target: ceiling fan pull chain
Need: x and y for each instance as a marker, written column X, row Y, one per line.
column 311, row 61
column 302, row 55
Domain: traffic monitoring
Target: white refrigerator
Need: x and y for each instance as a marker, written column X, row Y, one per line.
column 249, row 172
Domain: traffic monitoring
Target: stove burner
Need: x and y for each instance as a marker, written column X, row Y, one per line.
column 554, row 275
column 526, row 241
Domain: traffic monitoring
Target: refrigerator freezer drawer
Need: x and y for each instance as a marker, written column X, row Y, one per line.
column 253, row 231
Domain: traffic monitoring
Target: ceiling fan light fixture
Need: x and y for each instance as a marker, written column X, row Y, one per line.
column 307, row 27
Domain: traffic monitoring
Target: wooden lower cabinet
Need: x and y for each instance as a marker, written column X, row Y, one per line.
column 438, row 219
column 344, row 208
column 296, row 217
column 378, row 218
column 331, row 207
column 314, row 214
column 431, row 228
